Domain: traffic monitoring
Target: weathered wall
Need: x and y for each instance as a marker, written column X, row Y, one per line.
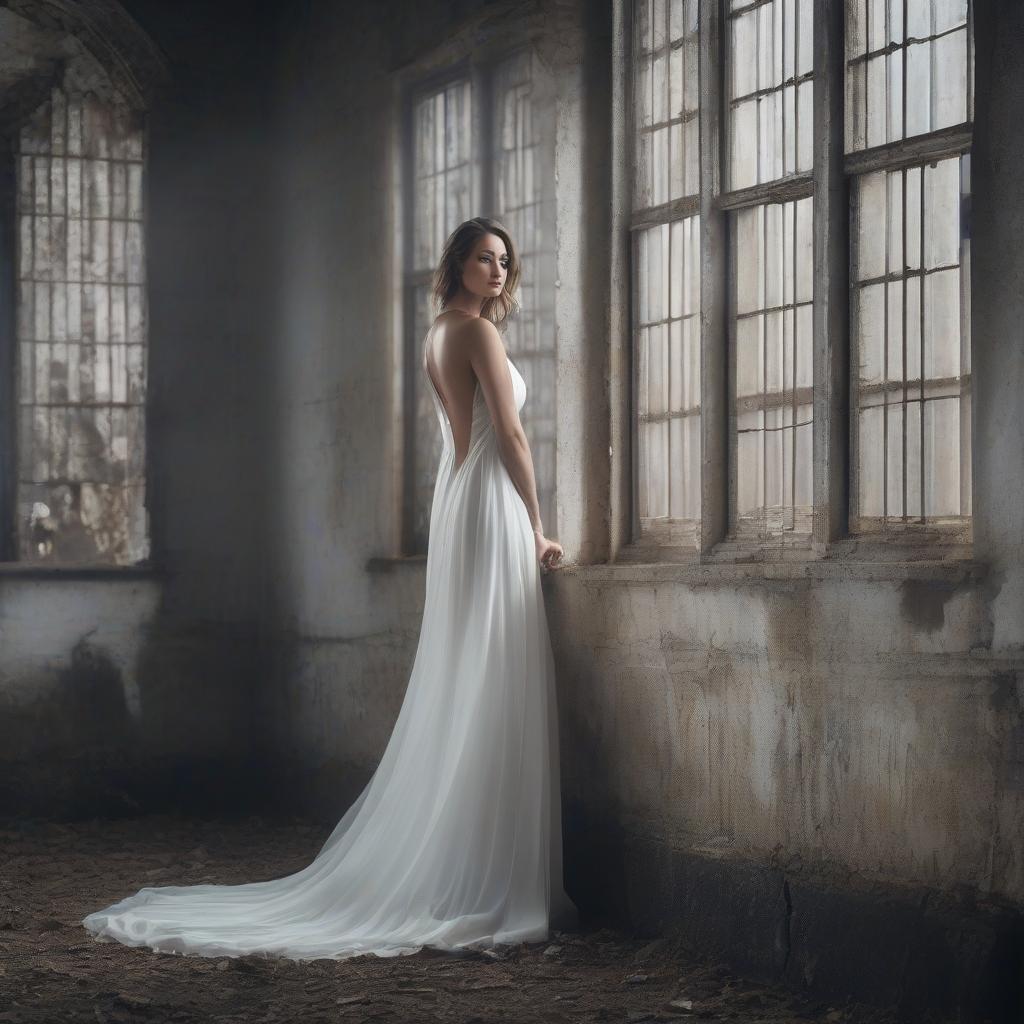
column 816, row 775
column 785, row 764
column 997, row 312
column 128, row 690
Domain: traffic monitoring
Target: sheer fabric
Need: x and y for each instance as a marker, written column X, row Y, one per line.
column 455, row 842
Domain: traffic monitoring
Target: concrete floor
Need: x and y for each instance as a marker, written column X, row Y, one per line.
column 52, row 970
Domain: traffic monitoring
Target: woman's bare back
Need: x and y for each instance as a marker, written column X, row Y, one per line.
column 447, row 363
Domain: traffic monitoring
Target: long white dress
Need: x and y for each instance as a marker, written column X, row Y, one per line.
column 455, row 842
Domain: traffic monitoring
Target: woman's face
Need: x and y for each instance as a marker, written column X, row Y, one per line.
column 485, row 271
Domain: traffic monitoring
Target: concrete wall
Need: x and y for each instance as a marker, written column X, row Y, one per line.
column 764, row 763
column 126, row 690
column 788, row 764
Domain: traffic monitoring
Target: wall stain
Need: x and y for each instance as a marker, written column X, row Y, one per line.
column 923, row 603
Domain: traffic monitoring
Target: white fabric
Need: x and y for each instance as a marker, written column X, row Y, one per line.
column 455, row 842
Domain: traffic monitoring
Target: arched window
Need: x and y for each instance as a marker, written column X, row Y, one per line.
column 75, row 480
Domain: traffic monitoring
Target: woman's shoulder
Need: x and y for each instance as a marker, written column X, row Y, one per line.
column 467, row 332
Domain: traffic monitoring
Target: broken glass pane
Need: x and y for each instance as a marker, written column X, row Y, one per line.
column 81, row 487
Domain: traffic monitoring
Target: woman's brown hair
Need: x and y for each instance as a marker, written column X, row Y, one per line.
column 457, row 249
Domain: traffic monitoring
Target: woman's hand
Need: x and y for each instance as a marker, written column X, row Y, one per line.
column 549, row 552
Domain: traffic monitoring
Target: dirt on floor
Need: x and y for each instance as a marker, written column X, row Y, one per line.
column 53, row 970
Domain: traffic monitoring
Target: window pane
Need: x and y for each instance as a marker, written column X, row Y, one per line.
column 666, row 269
column 665, row 101
column 911, row 345
column 770, row 87
column 773, row 391
column 908, row 69
column 82, row 334
column 523, row 157
column 442, row 176
column 668, row 360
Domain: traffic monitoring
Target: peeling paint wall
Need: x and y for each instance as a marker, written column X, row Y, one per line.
column 812, row 720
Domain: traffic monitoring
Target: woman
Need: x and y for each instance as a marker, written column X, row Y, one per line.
column 455, row 842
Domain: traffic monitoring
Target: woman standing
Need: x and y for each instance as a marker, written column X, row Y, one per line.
column 455, row 842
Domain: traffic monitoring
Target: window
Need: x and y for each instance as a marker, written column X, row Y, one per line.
column 524, row 175
column 770, row 90
column 768, row 54
column 774, row 373
column 747, row 77
column 489, row 134
column 80, row 352
column 666, row 258
column 908, row 75
column 443, row 181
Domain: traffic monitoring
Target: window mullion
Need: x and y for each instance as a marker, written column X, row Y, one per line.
column 831, row 430
column 409, row 365
column 715, row 469
column 484, row 189
column 8, row 351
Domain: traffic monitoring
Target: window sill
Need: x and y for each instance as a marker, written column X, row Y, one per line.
column 637, row 565
column 694, row 572
column 851, row 559
column 71, row 571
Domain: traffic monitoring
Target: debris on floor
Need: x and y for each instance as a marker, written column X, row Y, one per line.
column 52, row 970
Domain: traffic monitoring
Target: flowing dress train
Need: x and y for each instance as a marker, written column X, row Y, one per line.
column 455, row 842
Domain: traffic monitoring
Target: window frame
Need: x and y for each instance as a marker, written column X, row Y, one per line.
column 792, row 187
column 673, row 535
column 11, row 562
column 829, row 182
column 954, row 142
column 910, row 151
